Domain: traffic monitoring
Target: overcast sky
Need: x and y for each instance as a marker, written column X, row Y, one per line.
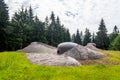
column 74, row 14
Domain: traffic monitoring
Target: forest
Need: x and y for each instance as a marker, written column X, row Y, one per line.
column 25, row 27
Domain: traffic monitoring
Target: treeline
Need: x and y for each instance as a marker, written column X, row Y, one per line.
column 101, row 38
column 25, row 28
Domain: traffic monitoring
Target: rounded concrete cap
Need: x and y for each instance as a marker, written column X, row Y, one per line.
column 65, row 46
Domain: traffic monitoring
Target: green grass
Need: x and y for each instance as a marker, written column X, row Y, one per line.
column 113, row 58
column 15, row 66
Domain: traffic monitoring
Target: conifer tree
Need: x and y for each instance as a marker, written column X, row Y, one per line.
column 46, row 22
column 30, row 15
column 39, row 32
column 50, row 32
column 93, row 38
column 116, row 30
column 87, row 37
column 22, row 29
column 113, row 35
column 73, row 38
column 68, row 38
column 102, row 40
column 115, row 45
column 78, row 38
column 4, row 17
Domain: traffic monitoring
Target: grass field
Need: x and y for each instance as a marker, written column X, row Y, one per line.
column 15, row 66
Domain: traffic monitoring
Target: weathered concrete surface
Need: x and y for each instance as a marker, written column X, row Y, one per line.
column 38, row 47
column 52, row 59
column 65, row 46
column 81, row 53
column 92, row 46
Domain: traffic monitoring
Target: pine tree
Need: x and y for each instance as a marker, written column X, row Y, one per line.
column 46, row 22
column 58, row 31
column 62, row 33
column 30, row 13
column 68, row 38
column 50, row 30
column 93, row 38
column 113, row 35
column 3, row 24
column 39, row 32
column 116, row 30
column 52, row 18
column 87, row 37
column 73, row 38
column 102, row 40
column 78, row 38
column 22, row 29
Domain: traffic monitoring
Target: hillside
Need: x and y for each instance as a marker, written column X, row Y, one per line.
column 15, row 66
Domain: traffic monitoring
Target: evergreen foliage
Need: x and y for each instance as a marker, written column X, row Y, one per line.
column 78, row 38
column 25, row 28
column 3, row 24
column 102, row 40
column 87, row 37
column 56, row 32
column 73, row 38
column 114, row 34
column 115, row 45
column 39, row 32
column 93, row 38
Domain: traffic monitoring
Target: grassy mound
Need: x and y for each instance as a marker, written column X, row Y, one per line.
column 15, row 66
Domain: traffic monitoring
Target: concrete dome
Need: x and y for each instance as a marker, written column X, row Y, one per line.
column 65, row 46
column 38, row 47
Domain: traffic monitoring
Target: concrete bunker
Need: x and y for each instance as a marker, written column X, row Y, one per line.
column 65, row 46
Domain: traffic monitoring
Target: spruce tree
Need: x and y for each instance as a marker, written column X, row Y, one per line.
column 78, row 38
column 52, row 17
column 68, row 37
column 22, row 28
column 50, row 30
column 58, row 31
column 3, row 24
column 102, row 40
column 116, row 30
column 30, row 15
column 39, row 32
column 87, row 37
column 46, row 22
column 93, row 38
column 113, row 35
column 73, row 38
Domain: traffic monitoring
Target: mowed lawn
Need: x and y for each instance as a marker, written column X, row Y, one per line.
column 15, row 66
